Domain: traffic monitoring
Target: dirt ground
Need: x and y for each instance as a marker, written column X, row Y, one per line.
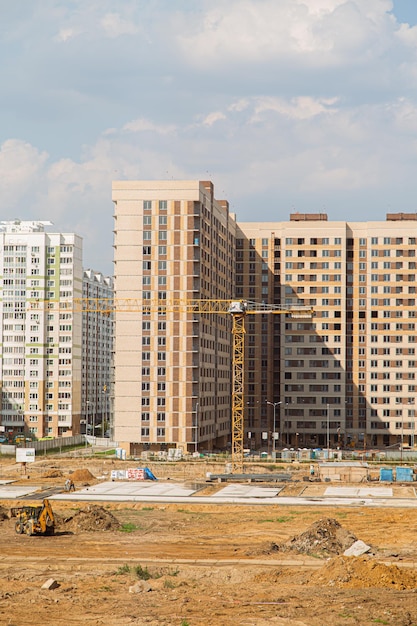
column 188, row 565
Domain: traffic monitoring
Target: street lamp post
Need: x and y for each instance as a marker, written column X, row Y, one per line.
column 196, row 427
column 104, row 411
column 328, row 431
column 274, row 404
column 285, row 422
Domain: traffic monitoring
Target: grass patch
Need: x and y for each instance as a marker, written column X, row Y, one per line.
column 147, row 508
column 129, row 527
column 341, row 515
column 277, row 520
column 143, row 573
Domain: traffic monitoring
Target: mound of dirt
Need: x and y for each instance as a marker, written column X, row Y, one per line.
column 53, row 474
column 325, row 537
column 90, row 519
column 359, row 572
column 81, row 475
column 4, row 514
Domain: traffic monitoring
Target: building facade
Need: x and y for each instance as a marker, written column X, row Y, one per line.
column 344, row 377
column 173, row 242
column 40, row 334
column 97, row 353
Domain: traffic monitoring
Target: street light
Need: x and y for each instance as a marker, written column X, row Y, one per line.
column 274, row 404
column 196, row 428
column 104, row 410
column 328, row 430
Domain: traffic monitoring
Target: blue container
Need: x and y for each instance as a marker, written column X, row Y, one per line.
column 404, row 474
column 386, row 475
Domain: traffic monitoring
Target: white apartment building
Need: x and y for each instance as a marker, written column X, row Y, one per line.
column 97, row 347
column 40, row 334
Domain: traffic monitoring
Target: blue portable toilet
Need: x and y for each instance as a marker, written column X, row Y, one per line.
column 386, row 474
column 404, row 474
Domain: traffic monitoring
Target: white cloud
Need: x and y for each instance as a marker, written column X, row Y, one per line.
column 301, row 108
column 280, row 99
column 329, row 31
column 214, row 117
column 240, row 105
column 407, row 35
column 141, row 125
column 22, row 167
column 114, row 25
column 65, row 34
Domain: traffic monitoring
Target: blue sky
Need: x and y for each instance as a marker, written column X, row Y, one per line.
column 307, row 105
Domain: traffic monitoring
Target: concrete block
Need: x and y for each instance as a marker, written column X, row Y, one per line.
column 51, row 583
column 140, row 586
column 357, row 549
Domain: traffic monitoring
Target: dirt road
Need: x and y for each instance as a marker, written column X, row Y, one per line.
column 202, row 564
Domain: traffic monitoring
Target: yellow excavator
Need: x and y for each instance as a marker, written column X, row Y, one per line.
column 34, row 520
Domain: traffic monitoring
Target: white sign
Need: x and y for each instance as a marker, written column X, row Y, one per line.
column 264, row 435
column 25, row 455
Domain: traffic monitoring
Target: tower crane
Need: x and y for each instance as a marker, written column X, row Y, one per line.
column 237, row 309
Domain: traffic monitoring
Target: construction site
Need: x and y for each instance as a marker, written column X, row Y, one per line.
column 304, row 551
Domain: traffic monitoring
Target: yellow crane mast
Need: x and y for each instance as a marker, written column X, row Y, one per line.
column 238, row 309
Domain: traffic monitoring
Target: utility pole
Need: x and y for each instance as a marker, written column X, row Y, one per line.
column 196, row 428
column 104, row 412
column 328, row 432
column 274, row 404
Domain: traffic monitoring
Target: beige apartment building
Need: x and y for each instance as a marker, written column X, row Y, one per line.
column 174, row 242
column 345, row 377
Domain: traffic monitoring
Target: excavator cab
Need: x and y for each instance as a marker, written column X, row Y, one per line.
column 34, row 520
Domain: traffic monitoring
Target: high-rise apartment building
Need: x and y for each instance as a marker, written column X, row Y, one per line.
column 347, row 375
column 97, row 353
column 173, row 241
column 40, row 334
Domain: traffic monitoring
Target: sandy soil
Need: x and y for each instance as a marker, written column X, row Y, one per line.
column 189, row 565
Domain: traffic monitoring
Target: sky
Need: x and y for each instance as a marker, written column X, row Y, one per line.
column 286, row 105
